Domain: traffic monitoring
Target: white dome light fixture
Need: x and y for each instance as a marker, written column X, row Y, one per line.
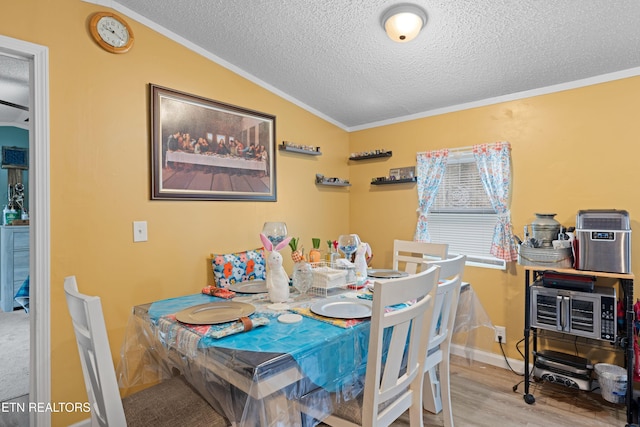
column 403, row 22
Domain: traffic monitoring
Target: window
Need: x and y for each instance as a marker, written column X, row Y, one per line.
column 462, row 215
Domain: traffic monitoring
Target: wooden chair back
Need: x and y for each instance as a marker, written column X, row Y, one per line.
column 436, row 393
column 446, row 302
column 413, row 257
column 95, row 356
column 391, row 386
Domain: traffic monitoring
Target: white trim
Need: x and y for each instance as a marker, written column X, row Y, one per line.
column 205, row 53
column 83, row 423
column 603, row 78
column 493, row 359
column 40, row 270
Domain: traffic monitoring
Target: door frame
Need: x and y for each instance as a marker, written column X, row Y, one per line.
column 40, row 228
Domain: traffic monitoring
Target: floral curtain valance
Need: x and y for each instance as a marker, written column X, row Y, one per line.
column 494, row 167
column 431, row 167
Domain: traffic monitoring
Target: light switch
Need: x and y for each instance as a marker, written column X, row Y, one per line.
column 139, row 231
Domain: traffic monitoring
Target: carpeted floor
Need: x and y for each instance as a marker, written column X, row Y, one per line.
column 14, row 354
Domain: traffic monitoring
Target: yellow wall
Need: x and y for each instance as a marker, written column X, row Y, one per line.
column 100, row 178
column 571, row 150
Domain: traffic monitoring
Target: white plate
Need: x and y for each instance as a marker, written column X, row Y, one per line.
column 215, row 312
column 343, row 308
column 386, row 274
column 289, row 318
column 250, row 287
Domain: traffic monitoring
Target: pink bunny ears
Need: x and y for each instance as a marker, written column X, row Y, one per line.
column 269, row 246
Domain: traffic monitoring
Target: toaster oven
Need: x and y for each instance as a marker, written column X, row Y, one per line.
column 586, row 314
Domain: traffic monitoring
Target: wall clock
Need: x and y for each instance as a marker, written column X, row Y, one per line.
column 111, row 32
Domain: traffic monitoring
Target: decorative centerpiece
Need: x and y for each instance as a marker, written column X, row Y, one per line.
column 297, row 254
column 274, row 237
column 277, row 277
column 314, row 254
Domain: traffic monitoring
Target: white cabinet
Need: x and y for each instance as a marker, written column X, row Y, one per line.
column 14, row 263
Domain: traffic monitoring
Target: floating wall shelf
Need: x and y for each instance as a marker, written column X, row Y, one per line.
column 394, row 181
column 309, row 151
column 371, row 156
column 334, row 184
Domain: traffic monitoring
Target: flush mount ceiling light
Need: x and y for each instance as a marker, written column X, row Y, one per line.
column 403, row 22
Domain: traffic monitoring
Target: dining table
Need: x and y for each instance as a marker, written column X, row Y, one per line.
column 290, row 369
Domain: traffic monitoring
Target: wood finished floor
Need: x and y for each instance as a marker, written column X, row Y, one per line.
column 482, row 395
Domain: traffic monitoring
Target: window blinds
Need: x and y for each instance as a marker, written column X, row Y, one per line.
column 462, row 215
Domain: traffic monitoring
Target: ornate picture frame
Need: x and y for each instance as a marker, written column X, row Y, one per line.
column 208, row 150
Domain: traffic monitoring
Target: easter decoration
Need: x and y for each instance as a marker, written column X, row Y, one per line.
column 363, row 251
column 277, row 278
column 314, row 254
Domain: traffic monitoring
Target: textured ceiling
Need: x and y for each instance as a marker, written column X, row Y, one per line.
column 14, row 89
column 333, row 58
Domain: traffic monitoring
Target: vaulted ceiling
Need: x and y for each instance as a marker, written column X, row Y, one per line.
column 333, row 58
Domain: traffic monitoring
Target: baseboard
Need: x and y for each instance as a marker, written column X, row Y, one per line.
column 83, row 423
column 472, row 354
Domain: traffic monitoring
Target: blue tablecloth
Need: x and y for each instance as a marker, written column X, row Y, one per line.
column 248, row 376
column 330, row 356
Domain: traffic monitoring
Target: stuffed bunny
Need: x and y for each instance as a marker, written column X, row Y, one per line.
column 277, row 278
column 363, row 251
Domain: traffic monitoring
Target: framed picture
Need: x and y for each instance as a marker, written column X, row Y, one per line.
column 402, row 173
column 407, row 172
column 208, row 150
column 394, row 174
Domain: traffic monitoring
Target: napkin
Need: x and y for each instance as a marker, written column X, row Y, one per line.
column 244, row 324
column 342, row 323
column 184, row 335
column 218, row 292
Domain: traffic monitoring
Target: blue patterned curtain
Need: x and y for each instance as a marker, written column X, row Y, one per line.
column 431, row 169
column 494, row 166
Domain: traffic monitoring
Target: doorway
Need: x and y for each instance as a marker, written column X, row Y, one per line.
column 39, row 239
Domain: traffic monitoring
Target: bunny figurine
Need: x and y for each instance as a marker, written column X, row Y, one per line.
column 363, row 251
column 277, row 278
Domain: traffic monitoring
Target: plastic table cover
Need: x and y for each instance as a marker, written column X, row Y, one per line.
column 274, row 375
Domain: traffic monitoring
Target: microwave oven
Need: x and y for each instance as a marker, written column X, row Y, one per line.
column 585, row 314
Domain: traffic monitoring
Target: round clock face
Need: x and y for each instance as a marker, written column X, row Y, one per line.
column 111, row 32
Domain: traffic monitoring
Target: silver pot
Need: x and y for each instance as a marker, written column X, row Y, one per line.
column 545, row 229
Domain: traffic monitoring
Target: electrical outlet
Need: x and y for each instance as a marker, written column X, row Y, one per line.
column 500, row 331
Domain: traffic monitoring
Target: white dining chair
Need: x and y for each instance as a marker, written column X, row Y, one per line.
column 436, row 393
column 390, row 386
column 412, row 256
column 170, row 403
